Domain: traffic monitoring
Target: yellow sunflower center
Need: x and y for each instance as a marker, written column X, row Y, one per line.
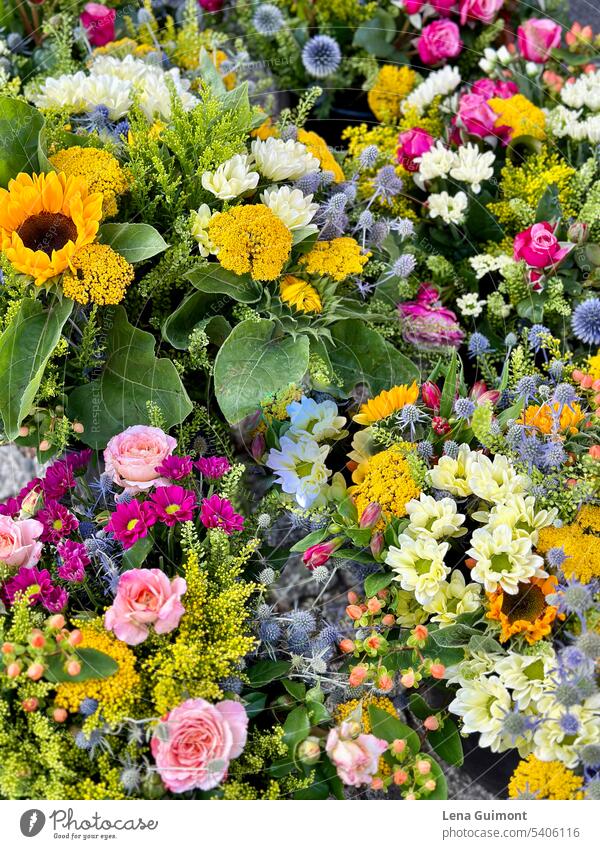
column 527, row 605
column 47, row 232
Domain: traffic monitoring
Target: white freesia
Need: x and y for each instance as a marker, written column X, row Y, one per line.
column 283, row 160
column 470, row 305
column 450, row 474
column 419, row 565
column 293, row 207
column 199, row 229
column 454, row 598
column 503, row 560
column 437, row 84
column 433, row 518
column 300, row 468
column 318, row 421
column 451, row 209
column 471, row 166
column 231, row 179
column 496, row 480
column 483, row 704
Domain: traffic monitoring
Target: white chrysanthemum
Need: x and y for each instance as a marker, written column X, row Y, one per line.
column 454, row 598
column 470, row 305
column 154, row 95
column 526, row 676
column 483, row 264
column 583, row 91
column 318, row 421
column 436, row 162
column 283, row 160
column 496, row 480
column 293, row 207
column 450, row 474
column 419, row 565
column 231, row 179
column 125, row 68
column 520, row 514
column 472, row 167
column 474, row 667
column 553, row 743
column 300, row 468
column 199, row 229
column 104, row 90
column 64, row 92
column 483, row 704
column 451, row 209
column 503, row 559
column 438, row 84
column 433, row 518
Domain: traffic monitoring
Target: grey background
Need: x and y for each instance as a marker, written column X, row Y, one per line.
column 586, row 12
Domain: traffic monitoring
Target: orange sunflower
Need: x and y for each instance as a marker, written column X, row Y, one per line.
column 527, row 612
column 387, row 402
column 44, row 220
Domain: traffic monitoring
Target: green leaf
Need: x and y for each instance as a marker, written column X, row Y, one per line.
column 254, row 703
column 480, row 222
column 20, row 125
column 377, row 582
column 453, row 636
column 94, row 664
column 531, row 307
column 134, row 557
column 549, row 208
column 195, row 312
column 296, row 728
column 135, row 242
column 335, row 783
column 131, row 377
column 446, row 743
column 317, row 791
column 389, row 728
column 313, row 538
column 449, row 388
column 296, row 689
column 376, row 35
column 419, row 706
column 25, row 348
column 318, row 713
column 441, row 785
column 253, row 363
column 484, row 643
column 212, row 278
column 361, row 355
column 210, row 75
column 265, row 671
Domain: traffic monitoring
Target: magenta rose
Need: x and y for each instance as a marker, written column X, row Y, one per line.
column 99, row 23
column 428, row 324
column 479, row 10
column 19, row 544
column 488, row 88
column 145, row 597
column 444, row 7
column 355, row 756
column 132, row 457
column 412, row 144
column 538, row 246
column 536, row 38
column 413, row 7
column 439, row 40
column 193, row 744
column 476, row 116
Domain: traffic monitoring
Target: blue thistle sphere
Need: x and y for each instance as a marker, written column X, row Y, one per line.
column 321, row 56
column 586, row 321
column 269, row 631
column 267, row 20
column 479, row 345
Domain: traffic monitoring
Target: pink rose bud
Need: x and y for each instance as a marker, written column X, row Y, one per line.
column 30, row 705
column 431, row 723
column 373, row 605
column 412, row 144
column 370, row 515
column 439, row 40
column 536, row 38
column 538, row 246
column 354, row 755
column 400, row 777
column 413, row 7
column 479, row 10
column 73, row 668
column 376, row 544
column 309, row 751
column 398, row 746
column 258, row 447
column 99, row 23
column 347, row 646
column 318, row 555
column 578, row 232
column 437, row 670
column 354, row 611
column 59, row 714
column 358, row 675
column 13, row 670
column 431, row 395
column 430, row 785
column 35, row 671
column 352, row 597
column 423, row 767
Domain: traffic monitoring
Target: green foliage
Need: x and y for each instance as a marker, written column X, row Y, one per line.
column 135, row 242
column 20, row 125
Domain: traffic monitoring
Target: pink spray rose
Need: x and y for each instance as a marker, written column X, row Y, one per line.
column 199, row 741
column 536, row 38
column 412, row 144
column 19, row 544
column 319, row 554
column 427, row 323
column 479, row 10
column 145, row 597
column 488, row 88
column 476, row 116
column 99, row 23
column 413, row 7
column 439, row 40
column 132, row 457
column 443, row 7
column 538, row 246
column 355, row 757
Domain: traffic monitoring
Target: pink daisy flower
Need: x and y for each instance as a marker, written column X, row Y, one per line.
column 171, row 504
column 217, row 512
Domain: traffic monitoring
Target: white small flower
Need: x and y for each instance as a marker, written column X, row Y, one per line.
column 231, row 179
column 483, row 264
column 471, row 166
column 454, row 598
column 317, row 421
column 520, row 514
column 450, row 209
column 483, row 704
column 437, row 84
column 293, row 207
column 503, row 56
column 300, row 468
column 283, row 160
column 525, row 676
column 450, row 474
column 419, row 565
column 436, row 162
column 436, row 519
column 470, row 304
column 503, row 560
column 496, row 480
column 199, row 229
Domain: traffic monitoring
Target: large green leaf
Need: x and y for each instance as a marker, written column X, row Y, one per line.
column 195, row 311
column 132, row 376
column 135, row 242
column 389, row 728
column 212, row 278
column 265, row 671
column 254, row 363
column 20, row 125
column 447, row 744
column 25, row 347
column 94, row 664
column 361, row 355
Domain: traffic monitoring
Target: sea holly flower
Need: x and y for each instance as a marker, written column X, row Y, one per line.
column 130, row 522
column 217, row 512
column 171, row 504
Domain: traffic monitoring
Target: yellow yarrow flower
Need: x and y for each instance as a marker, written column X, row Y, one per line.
column 300, row 294
column 98, row 274
column 544, row 780
column 521, row 115
column 337, row 259
column 391, row 86
column 251, row 239
column 385, row 478
column 100, row 170
column 594, row 366
column 580, row 542
column 320, row 150
column 387, row 402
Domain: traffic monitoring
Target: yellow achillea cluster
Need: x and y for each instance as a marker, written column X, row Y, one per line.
column 385, row 478
column 580, row 541
column 100, row 170
column 300, row 294
column 320, row 149
column 521, row 115
column 544, row 418
column 98, row 274
column 251, row 239
column 544, row 780
column 391, row 86
column 337, row 259
column 594, row 366
column 119, row 695
column 274, row 407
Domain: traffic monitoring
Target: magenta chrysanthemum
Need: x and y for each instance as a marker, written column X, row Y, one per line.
column 213, row 467
column 38, row 582
column 171, row 504
column 217, row 512
column 175, row 468
column 130, row 522
column 58, row 522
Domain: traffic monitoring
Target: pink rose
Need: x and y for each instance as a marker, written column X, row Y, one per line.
column 443, row 7
column 211, row 5
column 439, row 40
column 145, row 597
column 536, row 38
column 538, row 246
column 413, row 7
column 99, row 23
column 355, row 757
column 412, row 144
column 18, row 541
column 193, row 744
column 488, row 88
column 479, row 10
column 132, row 457
column 476, row 116
column 428, row 324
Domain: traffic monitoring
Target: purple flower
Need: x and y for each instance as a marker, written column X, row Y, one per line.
column 74, row 560
column 42, row 590
column 58, row 522
column 217, row 512
column 78, row 460
column 130, row 522
column 213, row 467
column 174, row 468
column 171, row 504
column 58, row 480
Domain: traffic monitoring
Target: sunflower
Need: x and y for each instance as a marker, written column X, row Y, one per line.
column 526, row 612
column 44, row 221
column 387, row 402
column 300, row 294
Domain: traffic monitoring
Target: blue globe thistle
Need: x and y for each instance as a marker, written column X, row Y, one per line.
column 567, row 694
column 572, row 658
column 565, row 395
column 379, row 233
column 329, row 636
column 409, row 416
column 131, row 778
column 590, row 755
column 365, row 220
column 348, row 189
column 309, row 183
column 321, row 574
column 556, row 369
column 88, row 707
column 510, row 340
column 403, row 267
column 569, row 724
column 479, row 345
column 298, row 640
column 586, row 321
column 289, row 133
column 555, row 557
column 82, row 741
column 451, row 449
column 404, row 227
column 263, row 611
column 553, row 456
column 232, row 684
column 515, row 724
column 120, row 130
column 587, row 687
column 268, row 20
column 573, row 598
column 464, row 408
column 321, row 56
column 592, row 789
column 387, row 183
column 303, row 619
column 368, row 156
column 526, row 387
column 537, row 337
column 425, row 449
column 589, row 644
column 269, row 631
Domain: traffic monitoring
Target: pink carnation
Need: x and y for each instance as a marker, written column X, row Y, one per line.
column 412, row 144
column 19, row 541
column 217, row 512
column 536, row 38
column 99, row 23
column 538, row 246
column 356, row 758
column 427, row 323
column 439, row 40
column 133, row 457
column 193, row 744
column 145, row 597
column 479, row 10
